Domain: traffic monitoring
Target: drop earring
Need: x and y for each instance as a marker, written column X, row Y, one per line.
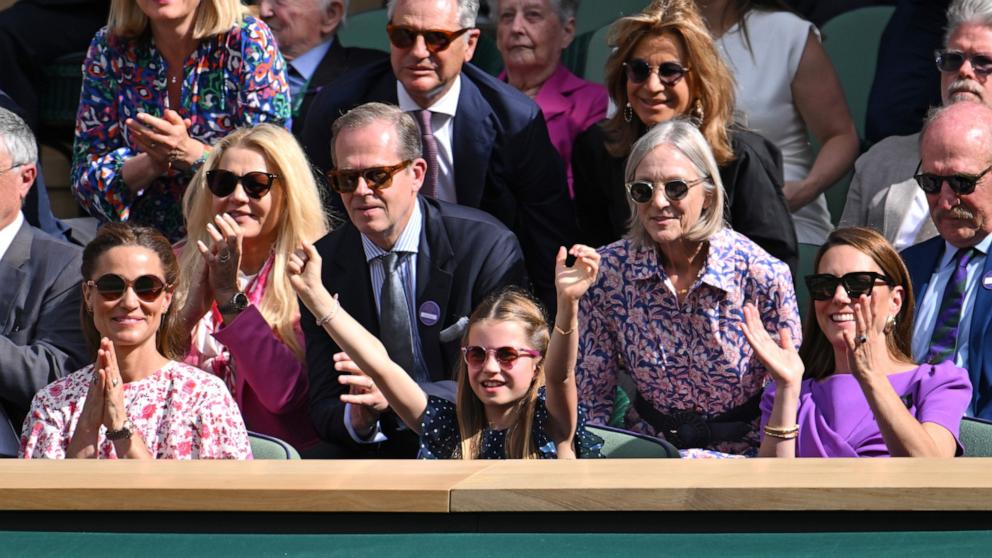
column 628, row 113
column 890, row 324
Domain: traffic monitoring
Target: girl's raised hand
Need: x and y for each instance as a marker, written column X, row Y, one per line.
column 303, row 268
column 573, row 282
column 781, row 359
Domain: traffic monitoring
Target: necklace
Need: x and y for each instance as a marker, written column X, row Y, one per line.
column 173, row 80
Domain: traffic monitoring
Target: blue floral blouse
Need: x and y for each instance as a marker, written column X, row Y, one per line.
column 233, row 79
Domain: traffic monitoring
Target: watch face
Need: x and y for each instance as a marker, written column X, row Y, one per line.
column 240, row 301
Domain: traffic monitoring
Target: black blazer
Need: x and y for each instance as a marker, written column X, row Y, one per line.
column 755, row 204
column 338, row 60
column 465, row 255
column 40, row 335
column 504, row 161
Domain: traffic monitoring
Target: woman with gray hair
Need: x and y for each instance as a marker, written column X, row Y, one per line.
column 667, row 306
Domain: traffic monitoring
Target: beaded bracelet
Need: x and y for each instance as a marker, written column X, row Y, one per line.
column 330, row 315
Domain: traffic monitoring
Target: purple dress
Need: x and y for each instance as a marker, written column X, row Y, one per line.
column 836, row 421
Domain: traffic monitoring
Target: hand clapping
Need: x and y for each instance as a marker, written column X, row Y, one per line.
column 223, row 256
column 166, row 140
column 781, row 359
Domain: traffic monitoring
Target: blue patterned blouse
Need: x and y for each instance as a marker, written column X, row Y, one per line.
column 690, row 356
column 234, row 79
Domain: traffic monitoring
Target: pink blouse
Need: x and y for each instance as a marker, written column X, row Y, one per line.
column 180, row 411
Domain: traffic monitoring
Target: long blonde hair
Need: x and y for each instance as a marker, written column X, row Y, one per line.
column 213, row 17
column 507, row 305
column 302, row 219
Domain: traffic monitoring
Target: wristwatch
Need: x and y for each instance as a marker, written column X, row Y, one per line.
column 127, row 429
column 237, row 303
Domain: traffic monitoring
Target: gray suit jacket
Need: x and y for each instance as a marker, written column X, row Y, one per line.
column 883, row 188
column 40, row 335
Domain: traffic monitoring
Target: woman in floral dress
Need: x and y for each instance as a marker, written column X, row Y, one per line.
column 162, row 83
column 135, row 402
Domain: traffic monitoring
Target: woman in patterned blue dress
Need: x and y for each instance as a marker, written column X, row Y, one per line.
column 504, row 408
column 161, row 83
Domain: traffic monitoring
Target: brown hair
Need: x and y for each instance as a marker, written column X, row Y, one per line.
column 816, row 351
column 710, row 82
column 514, row 305
column 172, row 337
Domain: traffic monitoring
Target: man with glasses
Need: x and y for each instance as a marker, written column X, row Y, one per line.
column 306, row 32
column 40, row 334
column 485, row 143
column 409, row 268
column 951, row 274
column 883, row 194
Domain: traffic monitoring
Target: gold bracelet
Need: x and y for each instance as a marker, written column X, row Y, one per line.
column 786, row 433
column 562, row 331
column 330, row 315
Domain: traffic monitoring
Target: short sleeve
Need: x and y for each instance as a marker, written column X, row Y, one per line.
column 945, row 391
column 44, row 434
column 218, row 431
column 439, row 435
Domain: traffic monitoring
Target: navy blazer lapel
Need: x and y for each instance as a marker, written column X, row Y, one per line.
column 13, row 276
column 472, row 142
column 348, row 276
column 921, row 261
column 435, row 261
column 981, row 314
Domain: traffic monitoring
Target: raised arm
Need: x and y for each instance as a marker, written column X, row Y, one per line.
column 406, row 398
column 571, row 283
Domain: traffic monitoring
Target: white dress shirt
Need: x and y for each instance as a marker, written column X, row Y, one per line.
column 8, row 233
column 442, row 121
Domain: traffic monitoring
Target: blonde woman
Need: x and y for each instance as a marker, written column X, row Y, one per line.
column 254, row 201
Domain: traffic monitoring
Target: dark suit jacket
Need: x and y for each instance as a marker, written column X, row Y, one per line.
column 40, row 335
column 337, row 61
column 755, row 204
column 465, row 255
column 504, row 161
column 921, row 260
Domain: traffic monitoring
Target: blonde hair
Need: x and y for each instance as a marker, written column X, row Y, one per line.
column 213, row 17
column 710, row 82
column 688, row 140
column 507, row 305
column 302, row 219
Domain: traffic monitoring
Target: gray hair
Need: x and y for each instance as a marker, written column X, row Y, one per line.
column 565, row 9
column 683, row 135
column 17, row 139
column 407, row 129
column 468, row 11
column 961, row 12
column 324, row 4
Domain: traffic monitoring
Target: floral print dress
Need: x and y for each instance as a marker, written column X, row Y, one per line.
column 180, row 411
column 232, row 80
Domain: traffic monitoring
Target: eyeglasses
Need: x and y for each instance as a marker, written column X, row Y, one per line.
column 112, row 287
column 669, row 73
column 475, row 355
column 960, row 184
column 436, row 40
column 822, row 286
column 346, row 181
column 12, row 167
column 952, row 60
column 642, row 191
column 223, row 182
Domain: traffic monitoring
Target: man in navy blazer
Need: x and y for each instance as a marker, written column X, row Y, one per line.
column 494, row 152
column 956, row 143
column 454, row 256
column 40, row 334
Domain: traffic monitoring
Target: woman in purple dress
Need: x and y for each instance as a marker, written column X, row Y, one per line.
column 852, row 390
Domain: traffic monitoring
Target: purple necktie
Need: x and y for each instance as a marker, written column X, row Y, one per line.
column 945, row 332
column 430, row 153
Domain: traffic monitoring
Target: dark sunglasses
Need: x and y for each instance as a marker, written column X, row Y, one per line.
column 952, row 60
column 669, row 73
column 346, row 181
column 436, row 40
column 960, row 184
column 475, row 355
column 112, row 287
column 223, row 182
column 822, row 286
column 641, row 191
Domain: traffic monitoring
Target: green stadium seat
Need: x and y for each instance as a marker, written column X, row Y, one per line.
column 367, row 29
column 593, row 14
column 270, row 447
column 623, row 444
column 976, row 437
column 807, row 253
column 596, row 54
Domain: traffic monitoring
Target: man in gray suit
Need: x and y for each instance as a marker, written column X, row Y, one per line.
column 883, row 194
column 40, row 335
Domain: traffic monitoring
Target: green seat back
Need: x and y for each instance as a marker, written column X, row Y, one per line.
column 597, row 52
column 367, row 30
column 269, row 447
column 976, row 437
column 593, row 14
column 807, row 253
column 622, row 444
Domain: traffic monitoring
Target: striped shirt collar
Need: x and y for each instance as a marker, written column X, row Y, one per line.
column 408, row 242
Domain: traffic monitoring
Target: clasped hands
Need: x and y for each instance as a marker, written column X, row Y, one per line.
column 166, row 140
column 104, row 403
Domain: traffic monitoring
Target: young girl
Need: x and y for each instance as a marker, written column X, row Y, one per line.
column 504, row 409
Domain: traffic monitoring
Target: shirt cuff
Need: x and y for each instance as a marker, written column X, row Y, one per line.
column 374, row 438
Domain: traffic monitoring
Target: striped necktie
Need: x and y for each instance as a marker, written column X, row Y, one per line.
column 945, row 332
column 430, row 153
